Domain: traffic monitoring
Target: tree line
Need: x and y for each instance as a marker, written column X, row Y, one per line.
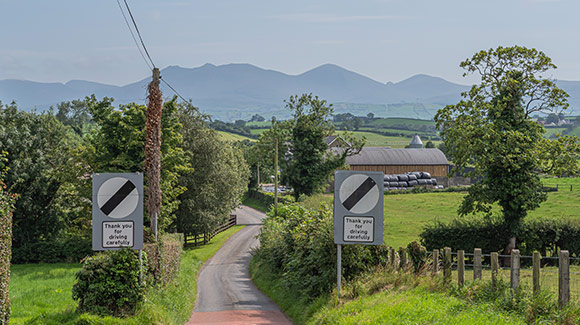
column 51, row 156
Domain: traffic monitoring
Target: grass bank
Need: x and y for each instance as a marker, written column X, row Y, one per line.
column 383, row 297
column 41, row 293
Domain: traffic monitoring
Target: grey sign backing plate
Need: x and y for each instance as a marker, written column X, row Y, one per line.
column 358, row 207
column 117, row 211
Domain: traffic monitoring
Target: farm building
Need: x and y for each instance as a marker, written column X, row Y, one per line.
column 398, row 161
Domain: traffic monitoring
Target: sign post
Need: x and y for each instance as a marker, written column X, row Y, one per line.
column 358, row 211
column 117, row 211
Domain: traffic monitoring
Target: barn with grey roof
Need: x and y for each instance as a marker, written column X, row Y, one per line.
column 398, row 161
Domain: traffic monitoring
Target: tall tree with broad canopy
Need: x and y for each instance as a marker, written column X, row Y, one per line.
column 311, row 162
column 491, row 129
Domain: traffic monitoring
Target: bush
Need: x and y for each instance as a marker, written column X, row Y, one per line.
column 417, row 255
column 66, row 251
column 164, row 258
column 490, row 234
column 108, row 284
column 299, row 244
column 268, row 198
column 6, row 208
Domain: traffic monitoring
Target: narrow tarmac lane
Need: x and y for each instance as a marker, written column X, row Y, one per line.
column 225, row 291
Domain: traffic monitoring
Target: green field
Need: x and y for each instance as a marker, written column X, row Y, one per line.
column 257, row 131
column 389, row 122
column 553, row 131
column 377, row 140
column 226, row 136
column 407, row 214
column 41, row 293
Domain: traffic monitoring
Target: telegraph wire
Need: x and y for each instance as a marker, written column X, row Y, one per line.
column 150, row 65
column 175, row 91
column 138, row 33
column 133, row 35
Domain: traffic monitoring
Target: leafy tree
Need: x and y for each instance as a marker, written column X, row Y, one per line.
column 371, row 115
column 552, row 118
column 429, row 144
column 38, row 145
column 217, row 180
column 312, row 162
column 257, row 118
column 264, row 152
column 76, row 114
column 6, row 207
column 491, row 129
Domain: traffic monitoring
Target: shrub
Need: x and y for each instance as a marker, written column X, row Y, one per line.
column 164, row 258
column 299, row 244
column 417, row 255
column 268, row 198
column 6, row 208
column 69, row 250
column 108, row 284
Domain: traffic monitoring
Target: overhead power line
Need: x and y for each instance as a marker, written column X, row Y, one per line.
column 138, row 33
column 149, row 63
column 133, row 35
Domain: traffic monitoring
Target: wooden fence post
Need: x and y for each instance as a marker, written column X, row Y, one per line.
column 494, row 268
column 403, row 257
column 392, row 258
column 536, row 272
column 435, row 261
column 447, row 265
column 515, row 269
column 563, row 278
column 477, row 268
column 460, row 267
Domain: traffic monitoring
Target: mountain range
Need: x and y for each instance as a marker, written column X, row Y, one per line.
column 237, row 91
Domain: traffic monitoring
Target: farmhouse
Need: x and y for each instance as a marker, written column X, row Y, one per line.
column 398, row 161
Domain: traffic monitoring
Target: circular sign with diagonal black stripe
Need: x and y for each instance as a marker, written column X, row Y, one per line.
column 359, row 193
column 358, row 207
column 117, row 211
column 117, row 197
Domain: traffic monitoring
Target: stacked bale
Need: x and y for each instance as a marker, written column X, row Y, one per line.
column 408, row 181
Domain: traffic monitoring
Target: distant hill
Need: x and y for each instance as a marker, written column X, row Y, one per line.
column 237, row 91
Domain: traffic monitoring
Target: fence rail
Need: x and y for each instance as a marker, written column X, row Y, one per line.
column 559, row 275
column 202, row 239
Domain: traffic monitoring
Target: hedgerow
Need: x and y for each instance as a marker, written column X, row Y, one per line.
column 299, row 244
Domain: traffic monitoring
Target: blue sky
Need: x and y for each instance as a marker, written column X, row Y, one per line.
column 57, row 41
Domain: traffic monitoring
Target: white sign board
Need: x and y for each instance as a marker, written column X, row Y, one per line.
column 117, row 211
column 358, row 207
column 358, row 229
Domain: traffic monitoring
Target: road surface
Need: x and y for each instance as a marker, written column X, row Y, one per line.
column 225, row 291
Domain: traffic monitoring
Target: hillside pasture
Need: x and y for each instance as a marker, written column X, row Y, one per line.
column 232, row 137
column 407, row 214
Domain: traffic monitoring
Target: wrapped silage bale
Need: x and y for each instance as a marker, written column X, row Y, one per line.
column 412, row 183
column 425, row 175
column 393, row 184
column 434, row 181
column 403, row 178
column 412, row 177
column 422, row 182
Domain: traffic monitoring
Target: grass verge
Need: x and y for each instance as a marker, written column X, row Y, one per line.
column 41, row 293
column 383, row 297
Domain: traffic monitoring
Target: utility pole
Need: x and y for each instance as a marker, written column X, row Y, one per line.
column 153, row 150
column 276, row 180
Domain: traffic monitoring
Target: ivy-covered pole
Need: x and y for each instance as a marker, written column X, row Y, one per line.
column 6, row 208
column 153, row 151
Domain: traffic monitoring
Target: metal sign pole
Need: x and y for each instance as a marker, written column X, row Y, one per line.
column 338, row 268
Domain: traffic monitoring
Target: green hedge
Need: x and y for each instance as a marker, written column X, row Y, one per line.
column 490, row 234
column 108, row 284
column 70, row 250
column 6, row 208
column 299, row 244
column 164, row 258
column 268, row 198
